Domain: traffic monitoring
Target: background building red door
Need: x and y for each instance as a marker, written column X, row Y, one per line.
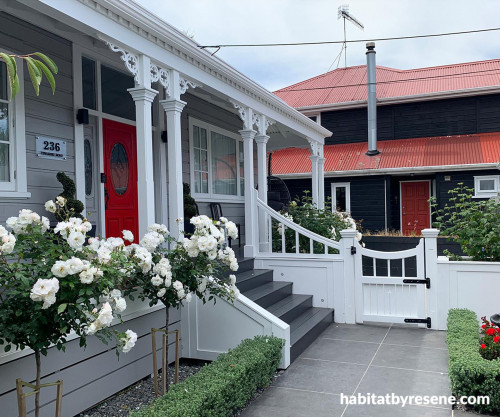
column 415, row 209
column 120, row 188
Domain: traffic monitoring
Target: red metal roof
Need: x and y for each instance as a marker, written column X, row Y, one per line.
column 349, row 84
column 401, row 153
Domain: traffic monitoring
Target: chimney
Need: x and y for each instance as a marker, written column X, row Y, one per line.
column 371, row 71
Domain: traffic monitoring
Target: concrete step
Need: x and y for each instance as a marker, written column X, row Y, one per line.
column 270, row 293
column 307, row 327
column 253, row 278
column 291, row 307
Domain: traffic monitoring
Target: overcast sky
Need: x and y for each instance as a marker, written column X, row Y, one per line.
column 264, row 21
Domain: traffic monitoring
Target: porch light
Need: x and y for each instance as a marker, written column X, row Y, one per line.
column 82, row 116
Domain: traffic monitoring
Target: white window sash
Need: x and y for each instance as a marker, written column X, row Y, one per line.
column 347, row 187
column 211, row 196
column 478, row 193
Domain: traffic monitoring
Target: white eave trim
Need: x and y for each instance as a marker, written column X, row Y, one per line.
column 403, row 99
column 394, row 171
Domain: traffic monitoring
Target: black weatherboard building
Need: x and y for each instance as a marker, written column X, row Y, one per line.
column 435, row 127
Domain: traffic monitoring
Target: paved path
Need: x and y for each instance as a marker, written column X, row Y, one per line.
column 352, row 359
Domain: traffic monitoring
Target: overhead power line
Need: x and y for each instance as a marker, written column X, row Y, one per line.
column 246, row 45
column 463, row 74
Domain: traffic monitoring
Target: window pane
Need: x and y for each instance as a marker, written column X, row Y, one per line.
column 119, row 169
column 88, row 83
column 204, row 182
column 4, row 122
column 487, row 185
column 4, row 163
column 87, row 157
column 196, row 136
column 340, row 198
column 4, row 93
column 116, row 100
column 223, row 164
column 204, row 161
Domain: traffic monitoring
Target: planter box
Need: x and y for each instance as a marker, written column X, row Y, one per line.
column 398, row 243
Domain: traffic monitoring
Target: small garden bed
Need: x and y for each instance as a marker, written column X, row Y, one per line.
column 470, row 373
column 223, row 386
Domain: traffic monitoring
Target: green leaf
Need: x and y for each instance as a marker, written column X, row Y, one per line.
column 51, row 64
column 35, row 74
column 10, row 62
column 61, row 308
column 7, row 348
column 47, row 73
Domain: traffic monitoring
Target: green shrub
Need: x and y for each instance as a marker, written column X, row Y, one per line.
column 472, row 223
column 69, row 190
column 469, row 372
column 222, row 386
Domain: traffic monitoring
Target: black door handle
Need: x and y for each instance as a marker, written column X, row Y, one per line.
column 106, row 195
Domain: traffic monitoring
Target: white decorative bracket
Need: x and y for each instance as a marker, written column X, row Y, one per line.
column 316, row 148
column 247, row 115
column 161, row 75
column 262, row 122
column 131, row 61
column 184, row 84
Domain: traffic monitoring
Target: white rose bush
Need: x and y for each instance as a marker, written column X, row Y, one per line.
column 56, row 281
column 192, row 267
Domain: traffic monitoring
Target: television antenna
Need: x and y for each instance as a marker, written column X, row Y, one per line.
column 344, row 14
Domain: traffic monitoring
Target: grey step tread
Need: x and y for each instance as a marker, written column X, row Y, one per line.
column 306, row 321
column 263, row 290
column 286, row 304
column 243, row 276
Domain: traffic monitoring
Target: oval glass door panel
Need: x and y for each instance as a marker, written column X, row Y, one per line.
column 119, row 169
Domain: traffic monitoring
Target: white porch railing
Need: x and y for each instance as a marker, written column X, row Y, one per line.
column 271, row 228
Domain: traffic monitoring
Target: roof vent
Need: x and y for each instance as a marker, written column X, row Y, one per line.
column 372, row 99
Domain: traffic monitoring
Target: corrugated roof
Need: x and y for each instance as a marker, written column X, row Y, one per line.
column 401, row 153
column 345, row 85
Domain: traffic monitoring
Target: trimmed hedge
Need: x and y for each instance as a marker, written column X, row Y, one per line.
column 469, row 372
column 222, row 386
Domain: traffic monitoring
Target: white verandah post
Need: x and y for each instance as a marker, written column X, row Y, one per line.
column 143, row 96
column 321, row 181
column 314, row 179
column 250, row 205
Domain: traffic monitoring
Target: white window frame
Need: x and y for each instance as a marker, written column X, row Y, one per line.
column 17, row 187
column 211, row 196
column 347, row 186
column 486, row 194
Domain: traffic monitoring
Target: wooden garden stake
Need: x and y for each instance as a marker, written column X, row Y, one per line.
column 164, row 359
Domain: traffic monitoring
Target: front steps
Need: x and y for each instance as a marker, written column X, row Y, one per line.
column 306, row 322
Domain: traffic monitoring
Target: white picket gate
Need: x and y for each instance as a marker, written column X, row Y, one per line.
column 391, row 287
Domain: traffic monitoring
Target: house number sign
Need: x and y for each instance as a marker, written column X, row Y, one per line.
column 50, row 148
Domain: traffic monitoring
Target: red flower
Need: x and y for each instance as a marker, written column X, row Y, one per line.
column 498, row 330
column 496, row 339
column 490, row 331
column 483, row 346
column 484, row 326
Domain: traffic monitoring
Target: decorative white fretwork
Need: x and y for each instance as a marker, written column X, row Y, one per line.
column 316, row 148
column 161, row 75
column 184, row 84
column 262, row 122
column 246, row 115
column 131, row 61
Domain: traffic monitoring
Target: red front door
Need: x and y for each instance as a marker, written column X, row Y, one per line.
column 120, row 168
column 415, row 209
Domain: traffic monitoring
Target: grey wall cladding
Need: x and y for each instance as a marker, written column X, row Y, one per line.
column 46, row 115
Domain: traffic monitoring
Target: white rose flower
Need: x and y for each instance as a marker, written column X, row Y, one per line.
column 188, row 298
column 156, row 281
column 94, row 243
column 212, row 255
column 50, row 206
column 92, row 329
column 128, row 235
column 45, row 290
column 168, row 282
column 177, row 285
column 233, row 266
column 86, row 227
column 45, row 224
column 61, row 201
column 359, row 236
column 203, row 243
column 181, row 294
column 60, row 269
column 105, row 315
column 211, row 243
column 8, row 243
column 223, row 220
column 76, row 240
column 161, row 293
column 232, row 279
column 202, row 286
column 120, row 304
column 104, row 255
column 129, row 341
column 193, row 253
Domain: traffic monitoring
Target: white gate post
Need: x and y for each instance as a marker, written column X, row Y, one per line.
column 431, row 255
column 348, row 241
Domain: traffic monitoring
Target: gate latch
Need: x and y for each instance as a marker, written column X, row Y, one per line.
column 424, row 321
column 353, row 250
column 103, row 178
column 426, row 281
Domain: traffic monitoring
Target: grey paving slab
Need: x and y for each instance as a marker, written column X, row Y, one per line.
column 322, row 376
column 382, row 381
column 341, row 350
column 361, row 333
column 284, row 402
column 395, row 411
column 411, row 357
column 416, row 337
column 459, row 413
